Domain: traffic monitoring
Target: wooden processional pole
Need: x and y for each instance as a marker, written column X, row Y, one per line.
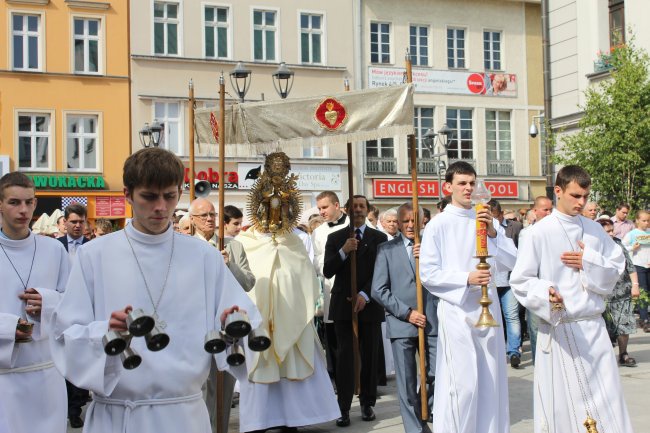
column 191, row 141
column 418, row 284
column 353, row 272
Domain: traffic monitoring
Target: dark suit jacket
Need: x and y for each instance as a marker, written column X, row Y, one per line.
column 340, row 306
column 64, row 241
column 393, row 286
column 512, row 230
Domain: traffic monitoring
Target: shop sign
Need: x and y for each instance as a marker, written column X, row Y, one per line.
column 212, row 175
column 447, row 82
column 106, row 207
column 310, row 177
column 386, row 188
column 64, row 181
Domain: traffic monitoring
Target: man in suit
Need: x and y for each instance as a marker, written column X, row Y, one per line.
column 329, row 208
column 75, row 221
column 393, row 287
column 370, row 314
column 509, row 304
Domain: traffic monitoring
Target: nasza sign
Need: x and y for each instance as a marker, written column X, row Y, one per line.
column 386, row 188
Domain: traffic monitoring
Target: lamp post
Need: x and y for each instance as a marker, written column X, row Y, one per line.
column 431, row 140
column 240, row 80
column 283, row 80
column 152, row 135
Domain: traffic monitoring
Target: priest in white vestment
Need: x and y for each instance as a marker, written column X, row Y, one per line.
column 568, row 260
column 179, row 279
column 32, row 391
column 471, row 389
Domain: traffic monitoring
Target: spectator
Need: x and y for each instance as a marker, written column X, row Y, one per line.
column 590, row 210
column 621, row 224
column 60, row 225
column 637, row 242
column 389, row 222
column 373, row 215
column 232, row 219
column 103, row 227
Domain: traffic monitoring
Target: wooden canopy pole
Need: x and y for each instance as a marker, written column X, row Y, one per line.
column 353, row 273
column 418, row 284
column 191, row 141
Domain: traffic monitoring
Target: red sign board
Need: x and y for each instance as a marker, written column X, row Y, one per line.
column 106, row 207
column 384, row 188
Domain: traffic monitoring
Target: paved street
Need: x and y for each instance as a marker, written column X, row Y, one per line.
column 636, row 383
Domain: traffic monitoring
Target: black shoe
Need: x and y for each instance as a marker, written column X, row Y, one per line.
column 367, row 414
column 344, row 420
column 515, row 360
column 76, row 422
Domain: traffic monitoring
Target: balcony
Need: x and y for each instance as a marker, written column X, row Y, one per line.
column 501, row 167
column 471, row 162
column 425, row 166
column 381, row 165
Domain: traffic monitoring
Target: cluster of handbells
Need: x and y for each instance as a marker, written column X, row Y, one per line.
column 139, row 324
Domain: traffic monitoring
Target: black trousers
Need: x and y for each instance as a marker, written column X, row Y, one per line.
column 330, row 349
column 77, row 398
column 369, row 339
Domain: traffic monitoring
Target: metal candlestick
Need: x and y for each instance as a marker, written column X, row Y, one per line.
column 486, row 319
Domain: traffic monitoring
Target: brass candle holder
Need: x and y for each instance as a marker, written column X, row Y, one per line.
column 590, row 423
column 485, row 320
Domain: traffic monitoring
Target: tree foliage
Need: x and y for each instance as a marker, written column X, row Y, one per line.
column 613, row 143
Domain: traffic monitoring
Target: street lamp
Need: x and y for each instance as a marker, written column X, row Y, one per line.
column 431, row 140
column 151, row 135
column 283, row 80
column 242, row 80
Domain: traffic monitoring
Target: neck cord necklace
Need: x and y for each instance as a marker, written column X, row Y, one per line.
column 154, row 304
column 24, row 283
column 582, row 232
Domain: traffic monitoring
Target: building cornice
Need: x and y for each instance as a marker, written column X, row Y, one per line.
column 64, row 75
column 177, row 59
column 81, row 4
column 29, row 2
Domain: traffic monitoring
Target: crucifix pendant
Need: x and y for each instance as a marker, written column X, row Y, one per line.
column 160, row 323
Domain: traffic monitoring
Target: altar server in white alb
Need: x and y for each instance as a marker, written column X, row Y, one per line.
column 566, row 267
column 180, row 280
column 33, row 272
column 471, row 388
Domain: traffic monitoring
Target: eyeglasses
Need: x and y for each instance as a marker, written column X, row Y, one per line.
column 205, row 216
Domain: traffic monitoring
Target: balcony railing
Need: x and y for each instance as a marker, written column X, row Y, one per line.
column 381, row 165
column 471, row 162
column 501, row 167
column 425, row 167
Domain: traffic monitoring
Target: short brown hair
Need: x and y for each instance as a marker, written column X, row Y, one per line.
column 153, row 167
column 104, row 224
column 15, row 178
column 572, row 173
column 348, row 204
column 231, row 212
column 459, row 167
column 328, row 194
column 75, row 208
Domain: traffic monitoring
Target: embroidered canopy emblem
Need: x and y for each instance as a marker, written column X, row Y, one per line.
column 330, row 114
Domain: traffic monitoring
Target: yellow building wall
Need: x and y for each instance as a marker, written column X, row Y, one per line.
column 58, row 90
column 534, row 65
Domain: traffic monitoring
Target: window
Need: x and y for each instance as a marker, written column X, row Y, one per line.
column 169, row 115
column 311, row 38
column 26, row 41
column 216, row 31
column 81, row 142
column 461, row 140
column 86, row 45
column 264, row 35
column 34, row 137
column 497, row 125
column 423, row 121
column 380, row 156
column 455, row 48
column 616, row 22
column 492, row 50
column 165, row 28
column 419, row 45
column 318, row 150
column 380, row 42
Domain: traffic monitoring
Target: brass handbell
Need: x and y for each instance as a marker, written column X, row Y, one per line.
column 139, row 323
column 590, row 423
column 130, row 359
column 214, row 342
column 238, row 325
column 236, row 355
column 115, row 342
column 156, row 339
column 258, row 340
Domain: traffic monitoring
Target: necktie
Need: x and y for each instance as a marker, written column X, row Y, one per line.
column 358, row 234
column 72, row 247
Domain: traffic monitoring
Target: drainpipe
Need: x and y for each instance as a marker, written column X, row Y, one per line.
column 546, row 59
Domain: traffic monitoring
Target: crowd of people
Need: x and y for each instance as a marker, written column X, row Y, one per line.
column 338, row 297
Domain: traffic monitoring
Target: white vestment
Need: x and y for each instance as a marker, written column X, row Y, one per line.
column 577, row 348
column 288, row 385
column 319, row 239
column 32, row 391
column 164, row 393
column 471, row 390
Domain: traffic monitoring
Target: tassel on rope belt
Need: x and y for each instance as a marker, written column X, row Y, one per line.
column 129, row 405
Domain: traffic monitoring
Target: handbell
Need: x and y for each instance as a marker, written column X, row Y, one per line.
column 139, row 323
column 238, row 325
column 115, row 342
column 214, row 342
column 156, row 339
column 235, row 356
column 130, row 358
column 258, row 340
